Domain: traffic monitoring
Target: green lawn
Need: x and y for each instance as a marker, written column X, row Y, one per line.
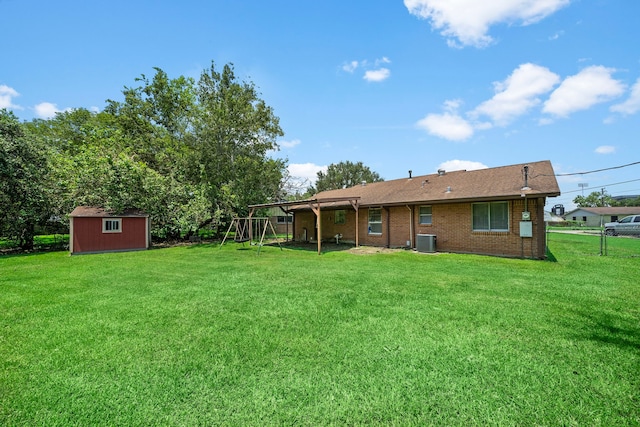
column 197, row 335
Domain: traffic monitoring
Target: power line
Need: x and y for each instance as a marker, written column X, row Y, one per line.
column 597, row 170
column 600, row 186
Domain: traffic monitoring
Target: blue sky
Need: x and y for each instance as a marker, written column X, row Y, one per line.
column 399, row 85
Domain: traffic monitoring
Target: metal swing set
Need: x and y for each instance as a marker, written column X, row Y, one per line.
column 249, row 230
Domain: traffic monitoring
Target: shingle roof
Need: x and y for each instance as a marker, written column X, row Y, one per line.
column 504, row 182
column 93, row 211
column 612, row 210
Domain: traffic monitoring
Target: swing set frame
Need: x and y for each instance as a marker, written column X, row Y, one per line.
column 248, row 228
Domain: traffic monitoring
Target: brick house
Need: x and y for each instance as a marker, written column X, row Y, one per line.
column 281, row 221
column 494, row 211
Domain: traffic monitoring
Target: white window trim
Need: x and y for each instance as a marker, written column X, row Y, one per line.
column 104, row 225
column 425, row 215
column 369, row 222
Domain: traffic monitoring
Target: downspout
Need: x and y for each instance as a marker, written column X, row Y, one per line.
column 410, row 226
column 388, row 226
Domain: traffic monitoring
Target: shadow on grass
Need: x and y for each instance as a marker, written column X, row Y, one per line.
column 313, row 246
column 612, row 329
column 550, row 256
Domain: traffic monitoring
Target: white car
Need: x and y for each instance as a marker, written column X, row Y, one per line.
column 627, row 226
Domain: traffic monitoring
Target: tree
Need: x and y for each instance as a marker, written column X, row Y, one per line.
column 233, row 135
column 593, row 200
column 344, row 175
column 189, row 154
column 157, row 119
column 24, row 172
column 630, row 201
column 293, row 187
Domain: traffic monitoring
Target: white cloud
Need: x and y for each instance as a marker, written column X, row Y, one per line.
column 289, row 144
column 350, row 67
column 518, row 93
column 467, row 22
column 605, row 149
column 631, row 105
column 6, row 97
column 46, row 110
column 378, row 75
column 556, row 36
column 456, row 165
column 306, row 170
column 590, row 86
column 448, row 126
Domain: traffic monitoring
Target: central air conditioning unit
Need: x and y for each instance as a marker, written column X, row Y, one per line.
column 426, row 243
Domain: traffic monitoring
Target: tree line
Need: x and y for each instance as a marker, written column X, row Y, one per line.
column 190, row 153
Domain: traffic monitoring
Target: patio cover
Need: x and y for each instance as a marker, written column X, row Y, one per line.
column 315, row 204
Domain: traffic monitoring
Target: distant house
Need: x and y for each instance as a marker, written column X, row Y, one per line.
column 94, row 230
column 282, row 222
column 494, row 211
column 595, row 217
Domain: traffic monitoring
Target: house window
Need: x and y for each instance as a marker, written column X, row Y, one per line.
column 112, row 225
column 492, row 216
column 425, row 215
column 284, row 219
column 375, row 221
column 340, row 217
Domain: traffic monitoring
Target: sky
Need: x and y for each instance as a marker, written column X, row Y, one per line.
column 416, row 85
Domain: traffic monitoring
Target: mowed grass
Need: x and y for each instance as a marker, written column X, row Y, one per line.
column 199, row 335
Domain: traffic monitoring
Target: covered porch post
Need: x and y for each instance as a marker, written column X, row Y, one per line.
column 316, row 210
column 355, row 205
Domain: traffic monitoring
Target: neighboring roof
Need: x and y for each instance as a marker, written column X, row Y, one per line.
column 506, row 182
column 613, row 210
column 625, row 197
column 92, row 211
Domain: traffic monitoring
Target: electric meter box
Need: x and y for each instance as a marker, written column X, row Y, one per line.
column 526, row 229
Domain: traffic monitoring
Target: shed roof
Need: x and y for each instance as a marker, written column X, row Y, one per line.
column 505, row 182
column 93, row 211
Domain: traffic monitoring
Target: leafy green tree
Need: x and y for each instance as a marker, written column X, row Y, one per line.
column 233, row 135
column 191, row 155
column 632, row 201
column 157, row 119
column 23, row 176
column 344, row 175
column 595, row 199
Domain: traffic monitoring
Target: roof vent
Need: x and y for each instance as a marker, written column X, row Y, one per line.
column 364, row 183
column 441, row 172
column 448, row 190
column 410, row 173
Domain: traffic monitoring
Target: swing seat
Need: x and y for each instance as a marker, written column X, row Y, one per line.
column 241, row 239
